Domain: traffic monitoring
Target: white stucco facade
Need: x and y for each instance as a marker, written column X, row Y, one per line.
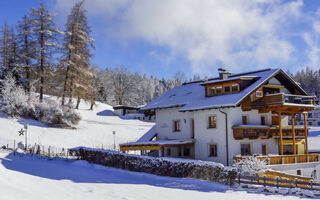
column 204, row 136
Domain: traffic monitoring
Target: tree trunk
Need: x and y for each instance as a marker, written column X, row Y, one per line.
column 41, row 61
column 78, row 102
column 92, row 104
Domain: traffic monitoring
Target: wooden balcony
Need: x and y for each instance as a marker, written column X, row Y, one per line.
column 300, row 102
column 284, row 159
column 264, row 132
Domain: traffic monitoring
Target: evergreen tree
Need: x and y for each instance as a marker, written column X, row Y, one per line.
column 46, row 34
column 26, row 50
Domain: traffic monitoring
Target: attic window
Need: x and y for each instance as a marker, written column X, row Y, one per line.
column 219, row 90
column 211, row 91
column 235, row 87
column 227, row 89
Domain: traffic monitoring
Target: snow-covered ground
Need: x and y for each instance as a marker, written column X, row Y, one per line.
column 32, row 178
column 95, row 129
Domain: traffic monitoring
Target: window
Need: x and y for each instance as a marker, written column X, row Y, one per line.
column 244, row 119
column 309, row 115
column 176, row 126
column 245, row 149
column 264, row 149
column 258, row 93
column 211, row 91
column 179, row 151
column 299, row 172
column 235, row 88
column 213, row 150
column 227, row 89
column 212, row 122
column 219, row 90
column 186, row 151
column 263, row 120
column 168, row 152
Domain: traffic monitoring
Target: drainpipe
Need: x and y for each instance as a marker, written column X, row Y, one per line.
column 227, row 140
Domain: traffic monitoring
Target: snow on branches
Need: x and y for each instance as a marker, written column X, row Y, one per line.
column 250, row 165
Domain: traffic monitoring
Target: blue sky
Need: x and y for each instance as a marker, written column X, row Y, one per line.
column 160, row 38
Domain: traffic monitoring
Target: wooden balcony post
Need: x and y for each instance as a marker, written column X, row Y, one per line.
column 305, row 133
column 293, row 133
column 280, row 134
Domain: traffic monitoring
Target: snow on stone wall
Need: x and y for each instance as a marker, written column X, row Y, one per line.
column 172, row 167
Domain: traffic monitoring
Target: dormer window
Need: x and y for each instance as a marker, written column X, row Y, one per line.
column 235, row 87
column 219, row 90
column 211, row 91
column 227, row 89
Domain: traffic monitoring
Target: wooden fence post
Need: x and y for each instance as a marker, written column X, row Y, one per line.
column 295, row 182
column 239, row 181
column 311, row 183
column 264, row 180
column 277, row 181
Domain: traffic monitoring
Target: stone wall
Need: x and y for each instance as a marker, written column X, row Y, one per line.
column 172, row 167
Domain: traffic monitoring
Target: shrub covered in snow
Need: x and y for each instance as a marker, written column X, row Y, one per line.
column 173, row 167
column 250, row 165
column 16, row 103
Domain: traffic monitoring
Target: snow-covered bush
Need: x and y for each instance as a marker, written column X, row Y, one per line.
column 173, row 167
column 16, row 103
column 13, row 100
column 251, row 165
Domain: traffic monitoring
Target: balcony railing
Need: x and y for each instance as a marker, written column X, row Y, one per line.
column 284, row 159
column 283, row 99
column 265, row 132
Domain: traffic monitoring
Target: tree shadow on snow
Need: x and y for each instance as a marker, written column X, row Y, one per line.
column 106, row 113
column 82, row 172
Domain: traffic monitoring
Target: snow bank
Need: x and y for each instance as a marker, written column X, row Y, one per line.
column 173, row 167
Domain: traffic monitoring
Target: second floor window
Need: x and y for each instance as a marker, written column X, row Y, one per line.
column 244, row 119
column 212, row 122
column 176, row 126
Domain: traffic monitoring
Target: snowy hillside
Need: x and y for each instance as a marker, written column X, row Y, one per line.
column 95, row 129
column 32, row 178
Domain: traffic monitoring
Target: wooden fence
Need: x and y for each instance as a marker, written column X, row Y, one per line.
column 277, row 182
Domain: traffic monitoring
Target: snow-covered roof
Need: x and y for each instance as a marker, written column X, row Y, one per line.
column 217, row 80
column 191, row 96
column 161, row 142
column 148, row 136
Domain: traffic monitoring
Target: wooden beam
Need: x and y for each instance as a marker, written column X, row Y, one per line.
column 293, row 133
column 280, row 134
column 305, row 133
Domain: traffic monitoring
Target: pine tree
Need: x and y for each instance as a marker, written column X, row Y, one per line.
column 76, row 54
column 9, row 54
column 26, row 49
column 46, row 34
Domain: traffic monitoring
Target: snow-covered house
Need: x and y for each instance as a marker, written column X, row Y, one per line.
column 220, row 119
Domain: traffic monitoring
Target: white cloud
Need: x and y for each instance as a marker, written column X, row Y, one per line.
column 234, row 33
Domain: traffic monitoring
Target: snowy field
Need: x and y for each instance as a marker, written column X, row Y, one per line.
column 32, row 178
column 95, row 129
